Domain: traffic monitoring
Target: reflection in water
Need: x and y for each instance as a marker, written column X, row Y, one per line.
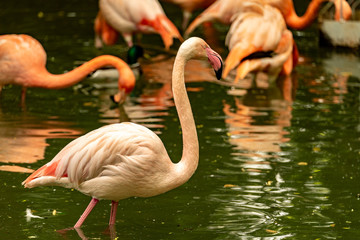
column 151, row 105
column 255, row 193
column 23, row 140
column 148, row 109
column 332, row 85
column 261, row 185
column 256, row 122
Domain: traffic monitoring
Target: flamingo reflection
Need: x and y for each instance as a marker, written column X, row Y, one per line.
column 24, row 141
column 331, row 85
column 257, row 118
column 151, row 105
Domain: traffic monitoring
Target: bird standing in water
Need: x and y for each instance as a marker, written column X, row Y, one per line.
column 125, row 160
column 23, row 62
column 268, row 47
column 130, row 17
column 225, row 10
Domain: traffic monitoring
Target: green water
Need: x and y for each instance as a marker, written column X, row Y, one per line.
column 269, row 168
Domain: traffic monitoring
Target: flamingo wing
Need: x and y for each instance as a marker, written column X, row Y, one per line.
column 124, row 150
column 145, row 16
column 243, row 39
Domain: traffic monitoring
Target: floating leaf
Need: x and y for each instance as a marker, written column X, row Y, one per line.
column 268, row 183
column 316, row 149
column 302, row 163
column 271, row 231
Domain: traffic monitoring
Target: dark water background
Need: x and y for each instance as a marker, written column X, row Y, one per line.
column 276, row 163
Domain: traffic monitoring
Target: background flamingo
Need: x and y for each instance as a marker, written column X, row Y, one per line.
column 300, row 22
column 129, row 17
column 268, row 47
column 224, row 11
column 125, row 160
column 23, row 62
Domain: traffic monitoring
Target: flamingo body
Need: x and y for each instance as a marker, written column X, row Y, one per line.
column 113, row 162
column 23, row 62
column 270, row 37
column 222, row 11
column 225, row 10
column 126, row 160
column 19, row 55
column 129, row 17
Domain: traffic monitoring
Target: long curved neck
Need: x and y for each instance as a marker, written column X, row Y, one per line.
column 42, row 78
column 296, row 22
column 190, row 155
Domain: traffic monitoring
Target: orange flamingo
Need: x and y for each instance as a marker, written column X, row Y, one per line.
column 287, row 9
column 189, row 6
column 125, row 160
column 23, row 62
column 224, row 11
column 267, row 48
column 129, row 17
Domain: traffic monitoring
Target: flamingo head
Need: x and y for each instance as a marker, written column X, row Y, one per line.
column 215, row 61
column 126, row 84
column 197, row 48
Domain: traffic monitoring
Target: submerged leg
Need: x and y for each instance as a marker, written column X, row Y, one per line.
column 23, row 96
column 86, row 213
column 114, row 206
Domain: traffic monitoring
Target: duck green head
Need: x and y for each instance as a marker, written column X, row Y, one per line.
column 134, row 53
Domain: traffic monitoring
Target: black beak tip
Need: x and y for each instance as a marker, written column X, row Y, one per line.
column 218, row 72
column 112, row 98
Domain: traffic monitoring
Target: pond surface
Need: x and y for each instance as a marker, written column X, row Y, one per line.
column 275, row 163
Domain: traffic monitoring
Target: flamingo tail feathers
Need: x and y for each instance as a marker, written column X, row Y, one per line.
column 246, row 67
column 104, row 32
column 47, row 170
column 237, row 53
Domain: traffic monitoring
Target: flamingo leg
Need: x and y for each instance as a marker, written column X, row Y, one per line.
column 86, row 213
column 23, row 95
column 114, row 206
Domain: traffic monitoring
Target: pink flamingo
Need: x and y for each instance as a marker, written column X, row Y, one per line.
column 224, row 11
column 23, row 62
column 268, row 47
column 124, row 160
column 129, row 17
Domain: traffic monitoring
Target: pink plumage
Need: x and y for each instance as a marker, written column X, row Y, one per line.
column 126, row 159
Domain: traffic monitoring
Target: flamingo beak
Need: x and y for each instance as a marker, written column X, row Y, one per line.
column 215, row 61
column 120, row 97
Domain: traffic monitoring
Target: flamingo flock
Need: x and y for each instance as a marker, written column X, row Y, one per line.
column 124, row 160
